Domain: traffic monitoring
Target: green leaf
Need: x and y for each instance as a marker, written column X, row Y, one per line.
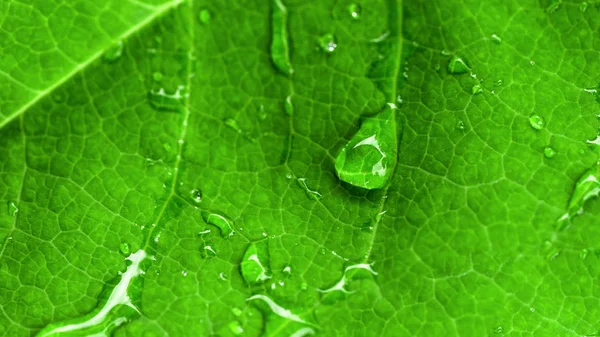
column 150, row 148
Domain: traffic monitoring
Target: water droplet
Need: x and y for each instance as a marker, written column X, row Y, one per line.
column 553, row 6
column 498, row 329
column 237, row 312
column 550, row 250
column 162, row 100
column 287, row 270
column 289, row 107
column 304, row 286
column 458, row 65
column 232, row 123
column 549, row 152
column 12, row 208
column 583, row 7
column 303, row 332
column 114, row 52
column 313, row 195
column 184, row 272
column 204, row 16
column 532, row 62
column 255, row 264
column 278, row 309
column 369, row 158
column 116, row 306
column 354, row 10
column 124, row 248
column 498, row 83
column 207, row 251
column 587, row 187
column 289, row 175
column 236, row 328
column 327, row 43
column 583, row 254
column 476, row 89
column 222, row 222
column 262, row 114
column 157, row 76
column 341, row 284
column 532, row 309
column 196, row 195
column 223, row 276
column 496, row 38
column 280, row 50
column 537, row 122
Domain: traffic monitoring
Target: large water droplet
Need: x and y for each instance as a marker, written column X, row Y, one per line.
column 341, row 284
column 222, row 222
column 369, row 158
column 114, row 52
column 280, row 50
column 255, row 264
column 458, row 65
column 537, row 122
column 196, row 195
column 587, row 187
column 354, row 10
column 311, row 194
column 162, row 100
column 115, row 306
column 327, row 43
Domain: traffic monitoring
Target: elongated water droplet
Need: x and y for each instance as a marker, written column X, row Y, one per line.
column 583, row 254
column 369, row 158
column 237, row 312
column 311, row 194
column 255, row 264
column 354, row 10
column 115, row 306
column 289, row 107
column 587, row 187
column 124, row 248
column 204, row 16
column 476, row 89
column 498, row 329
column 496, row 38
column 207, row 251
column 278, row 309
column 303, row 332
column 12, row 208
column 222, row 222
column 327, row 43
column 280, row 50
column 341, row 284
column 537, row 122
column 196, row 195
column 162, row 100
column 223, row 276
column 553, row 6
column 262, row 114
column 549, row 152
column 458, row 65
column 114, row 52
column 498, row 83
column 157, row 76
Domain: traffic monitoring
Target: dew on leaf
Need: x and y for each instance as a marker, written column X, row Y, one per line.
column 587, row 187
column 114, row 52
column 549, row 152
column 236, row 328
column 287, row 270
column 327, row 43
column 277, row 309
column 303, row 332
column 157, row 76
column 184, row 272
column 162, row 100
column 537, row 122
column 220, row 221
column 289, row 107
column 583, row 254
column 369, row 158
column 237, row 312
column 498, row 83
column 280, row 50
column 116, row 305
column 496, row 38
column 223, row 276
column 304, row 286
column 232, row 123
column 12, row 208
column 341, row 284
column 498, row 329
column 204, row 16
column 196, row 195
column 124, row 248
column 311, row 194
column 262, row 114
column 354, row 10
column 255, row 263
column 207, row 251
column 476, row 89
column 458, row 65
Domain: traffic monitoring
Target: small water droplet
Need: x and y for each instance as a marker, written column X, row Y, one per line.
column 237, row 312
column 262, row 114
column 532, row 309
column 313, row 195
column 114, row 52
column 287, row 270
column 157, row 76
column 289, row 107
column 222, row 222
column 537, row 122
column 289, row 175
column 184, row 272
column 304, row 286
column 532, row 62
column 553, row 6
column 232, row 123
column 162, row 100
column 498, row 83
column 12, row 208
column 460, row 125
column 255, row 264
column 204, row 16
column 207, row 251
column 549, row 152
column 223, row 276
column 124, row 248
column 583, row 254
column 496, row 38
column 458, row 65
column 327, row 43
column 583, row 7
column 476, row 89
column 354, row 10
column 196, row 195
column 498, row 330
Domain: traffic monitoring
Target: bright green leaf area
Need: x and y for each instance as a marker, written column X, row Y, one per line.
column 100, row 153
